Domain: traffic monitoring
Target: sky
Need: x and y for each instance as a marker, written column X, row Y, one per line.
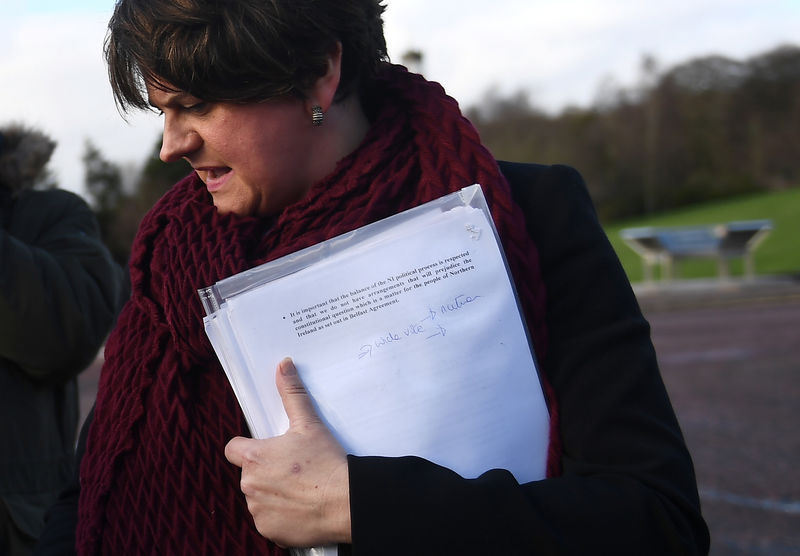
column 52, row 74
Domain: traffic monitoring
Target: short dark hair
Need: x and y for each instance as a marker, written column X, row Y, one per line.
column 240, row 50
column 23, row 158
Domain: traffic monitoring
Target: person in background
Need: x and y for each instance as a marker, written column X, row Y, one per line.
column 59, row 294
column 299, row 129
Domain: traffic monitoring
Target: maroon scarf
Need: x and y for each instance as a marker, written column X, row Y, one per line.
column 154, row 478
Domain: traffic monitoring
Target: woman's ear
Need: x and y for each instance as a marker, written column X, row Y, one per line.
column 324, row 90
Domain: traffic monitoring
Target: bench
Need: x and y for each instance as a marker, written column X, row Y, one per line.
column 667, row 246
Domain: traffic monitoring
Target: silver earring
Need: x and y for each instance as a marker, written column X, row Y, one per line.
column 316, row 116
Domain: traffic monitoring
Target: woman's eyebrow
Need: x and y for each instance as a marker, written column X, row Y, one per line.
column 171, row 99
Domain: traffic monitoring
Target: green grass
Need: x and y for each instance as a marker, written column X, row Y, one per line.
column 778, row 254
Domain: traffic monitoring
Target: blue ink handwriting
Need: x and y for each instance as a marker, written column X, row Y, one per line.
column 419, row 328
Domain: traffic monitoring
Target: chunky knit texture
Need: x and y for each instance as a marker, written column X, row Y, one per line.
column 154, row 478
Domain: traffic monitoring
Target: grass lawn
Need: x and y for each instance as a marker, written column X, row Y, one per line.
column 778, row 254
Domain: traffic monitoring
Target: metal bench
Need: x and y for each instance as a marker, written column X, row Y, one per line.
column 669, row 245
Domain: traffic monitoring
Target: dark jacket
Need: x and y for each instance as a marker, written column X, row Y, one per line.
column 628, row 483
column 59, row 294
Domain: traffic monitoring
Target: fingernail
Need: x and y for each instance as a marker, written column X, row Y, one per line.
column 287, row 367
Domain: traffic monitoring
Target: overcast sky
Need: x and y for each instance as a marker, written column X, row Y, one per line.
column 52, row 74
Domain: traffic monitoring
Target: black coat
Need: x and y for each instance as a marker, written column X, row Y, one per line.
column 628, row 485
column 59, row 294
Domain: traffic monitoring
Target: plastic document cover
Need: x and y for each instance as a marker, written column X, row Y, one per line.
column 407, row 334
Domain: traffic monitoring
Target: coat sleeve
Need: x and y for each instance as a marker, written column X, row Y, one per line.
column 59, row 287
column 61, row 520
column 628, row 484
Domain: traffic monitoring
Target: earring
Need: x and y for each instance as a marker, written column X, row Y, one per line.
column 316, row 116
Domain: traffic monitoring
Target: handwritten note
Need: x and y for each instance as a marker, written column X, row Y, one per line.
column 410, row 343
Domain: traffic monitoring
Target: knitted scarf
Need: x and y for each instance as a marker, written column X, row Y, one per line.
column 154, row 478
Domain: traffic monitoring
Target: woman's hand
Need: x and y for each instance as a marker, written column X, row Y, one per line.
column 296, row 484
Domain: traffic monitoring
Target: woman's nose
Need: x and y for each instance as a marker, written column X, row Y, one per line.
column 178, row 141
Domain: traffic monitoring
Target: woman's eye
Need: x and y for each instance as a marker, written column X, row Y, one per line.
column 197, row 107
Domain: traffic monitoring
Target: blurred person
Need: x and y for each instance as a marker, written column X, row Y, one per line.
column 59, row 293
column 299, row 129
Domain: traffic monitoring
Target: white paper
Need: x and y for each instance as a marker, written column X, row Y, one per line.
column 409, row 343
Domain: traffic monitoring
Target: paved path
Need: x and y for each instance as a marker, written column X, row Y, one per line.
column 731, row 363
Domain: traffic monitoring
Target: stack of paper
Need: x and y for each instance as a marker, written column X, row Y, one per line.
column 407, row 335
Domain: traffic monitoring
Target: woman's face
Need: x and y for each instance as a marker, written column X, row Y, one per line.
column 253, row 158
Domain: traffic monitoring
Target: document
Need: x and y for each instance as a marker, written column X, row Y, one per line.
column 407, row 334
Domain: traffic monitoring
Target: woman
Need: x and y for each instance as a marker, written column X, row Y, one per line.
column 299, row 130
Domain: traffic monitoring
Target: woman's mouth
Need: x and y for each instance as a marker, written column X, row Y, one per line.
column 214, row 178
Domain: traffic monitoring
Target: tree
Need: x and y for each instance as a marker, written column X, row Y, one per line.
column 651, row 132
column 103, row 180
column 709, row 128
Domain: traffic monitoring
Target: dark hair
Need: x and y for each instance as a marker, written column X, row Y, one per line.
column 23, row 158
column 240, row 50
